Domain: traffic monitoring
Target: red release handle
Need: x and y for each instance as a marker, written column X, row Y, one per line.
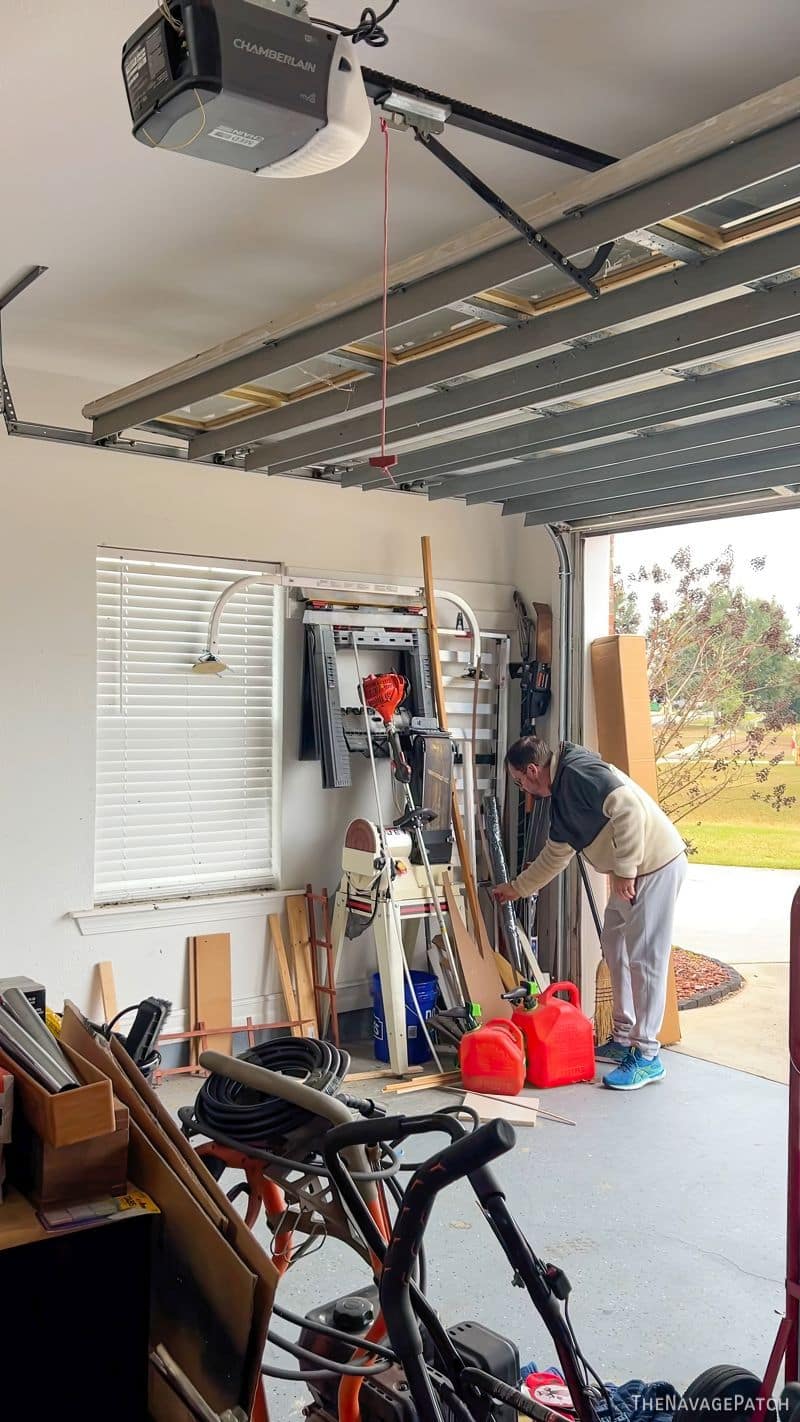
column 569, row 988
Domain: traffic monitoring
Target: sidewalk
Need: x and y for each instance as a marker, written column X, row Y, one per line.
column 740, row 916
column 737, row 915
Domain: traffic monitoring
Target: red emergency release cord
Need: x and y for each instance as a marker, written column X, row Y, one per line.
column 385, row 461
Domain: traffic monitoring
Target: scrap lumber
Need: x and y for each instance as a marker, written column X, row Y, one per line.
column 431, row 1082
column 108, row 991
column 213, row 986
column 441, row 711
column 381, row 1074
column 210, row 1261
column 483, row 981
column 471, row 1097
column 282, row 959
column 194, row 1044
column 300, row 943
column 544, row 632
column 508, row 975
column 516, row 1109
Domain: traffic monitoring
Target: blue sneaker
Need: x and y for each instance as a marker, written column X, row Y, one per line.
column 611, row 1051
column 636, row 1071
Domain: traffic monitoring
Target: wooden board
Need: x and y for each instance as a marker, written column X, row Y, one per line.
column 441, row 711
column 480, row 974
column 544, row 632
column 108, row 991
column 508, row 976
column 300, row 940
column 164, row 1134
column 213, row 982
column 203, row 1293
column 285, row 972
column 436, row 1082
column 191, row 965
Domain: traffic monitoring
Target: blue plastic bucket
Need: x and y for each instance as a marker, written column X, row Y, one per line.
column 427, row 989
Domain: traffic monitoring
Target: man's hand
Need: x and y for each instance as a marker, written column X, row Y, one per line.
column 623, row 888
column 505, row 893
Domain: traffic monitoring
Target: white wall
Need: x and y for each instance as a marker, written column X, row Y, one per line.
column 57, row 505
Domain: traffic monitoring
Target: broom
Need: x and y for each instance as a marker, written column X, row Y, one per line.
column 603, row 995
column 603, row 1004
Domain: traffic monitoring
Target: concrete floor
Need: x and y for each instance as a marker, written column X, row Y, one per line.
column 665, row 1208
column 740, row 916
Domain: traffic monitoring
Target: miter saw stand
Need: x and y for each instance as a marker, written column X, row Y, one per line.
column 389, row 893
column 394, row 876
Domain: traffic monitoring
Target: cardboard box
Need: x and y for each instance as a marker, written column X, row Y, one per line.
column 622, row 708
column 66, row 1117
column 61, row 1175
column 625, row 739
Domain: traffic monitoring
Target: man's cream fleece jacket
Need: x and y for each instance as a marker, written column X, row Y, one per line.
column 601, row 813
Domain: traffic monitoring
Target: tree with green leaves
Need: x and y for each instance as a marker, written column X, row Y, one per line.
column 724, row 672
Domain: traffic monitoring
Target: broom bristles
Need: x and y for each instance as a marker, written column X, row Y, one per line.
column 603, row 1003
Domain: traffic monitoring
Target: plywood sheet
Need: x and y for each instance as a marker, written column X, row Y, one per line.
column 162, row 1130
column 203, row 1294
column 480, row 974
column 519, row 1110
column 108, row 991
column 213, row 974
column 285, row 972
column 300, row 941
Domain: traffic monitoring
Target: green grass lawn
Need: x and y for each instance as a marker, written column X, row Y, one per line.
column 735, row 829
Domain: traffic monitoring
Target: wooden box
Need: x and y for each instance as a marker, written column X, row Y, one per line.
column 62, row 1175
column 67, row 1117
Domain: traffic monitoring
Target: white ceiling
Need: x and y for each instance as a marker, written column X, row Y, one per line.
column 155, row 256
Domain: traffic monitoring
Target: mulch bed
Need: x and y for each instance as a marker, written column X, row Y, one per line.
column 702, row 981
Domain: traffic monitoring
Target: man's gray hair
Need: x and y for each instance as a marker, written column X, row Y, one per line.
column 529, row 750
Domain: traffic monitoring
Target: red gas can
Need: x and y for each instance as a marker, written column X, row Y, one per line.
column 492, row 1058
column 559, row 1039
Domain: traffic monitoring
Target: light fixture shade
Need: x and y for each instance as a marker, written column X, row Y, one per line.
column 209, row 665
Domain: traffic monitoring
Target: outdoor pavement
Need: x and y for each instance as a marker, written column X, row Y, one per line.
column 740, row 916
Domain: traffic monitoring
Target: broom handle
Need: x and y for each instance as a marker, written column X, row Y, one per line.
column 590, row 896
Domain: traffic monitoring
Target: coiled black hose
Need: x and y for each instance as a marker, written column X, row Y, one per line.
column 226, row 1108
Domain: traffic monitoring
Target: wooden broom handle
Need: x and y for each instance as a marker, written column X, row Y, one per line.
column 441, row 709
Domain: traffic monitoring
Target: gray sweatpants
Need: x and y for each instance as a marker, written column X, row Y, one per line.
column 636, row 943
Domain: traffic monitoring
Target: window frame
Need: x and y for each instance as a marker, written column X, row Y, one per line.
column 271, row 573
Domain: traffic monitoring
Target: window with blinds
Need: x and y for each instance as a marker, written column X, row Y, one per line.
column 187, row 765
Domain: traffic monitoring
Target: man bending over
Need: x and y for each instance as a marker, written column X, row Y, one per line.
column 597, row 811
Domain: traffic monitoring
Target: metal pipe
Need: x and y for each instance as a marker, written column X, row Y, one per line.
column 565, row 574
column 441, row 596
column 276, row 580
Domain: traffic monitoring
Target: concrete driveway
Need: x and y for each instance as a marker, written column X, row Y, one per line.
column 740, row 916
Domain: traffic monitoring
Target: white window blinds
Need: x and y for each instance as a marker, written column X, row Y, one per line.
column 186, row 765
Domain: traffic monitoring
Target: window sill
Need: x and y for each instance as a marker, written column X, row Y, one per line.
column 218, row 908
